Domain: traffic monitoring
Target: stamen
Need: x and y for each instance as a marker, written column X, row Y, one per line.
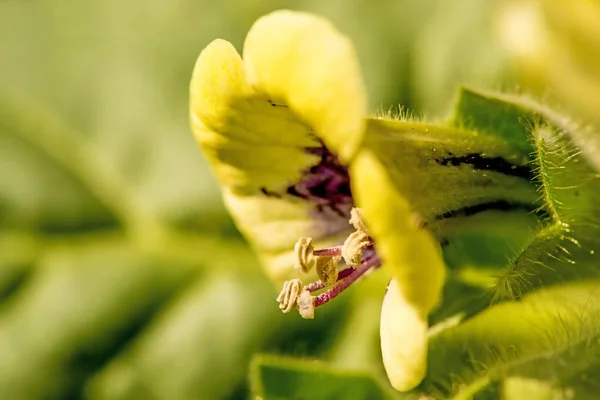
column 289, row 294
column 327, row 270
column 306, row 305
column 305, row 260
column 354, row 246
column 357, row 251
column 357, row 220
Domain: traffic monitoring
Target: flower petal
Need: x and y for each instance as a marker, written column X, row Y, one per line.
column 403, row 334
column 305, row 62
column 415, row 262
column 262, row 124
column 249, row 143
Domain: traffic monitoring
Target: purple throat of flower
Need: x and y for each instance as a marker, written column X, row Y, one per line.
column 327, row 185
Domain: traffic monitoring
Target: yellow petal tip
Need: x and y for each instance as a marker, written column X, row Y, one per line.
column 403, row 334
column 217, row 80
column 304, row 61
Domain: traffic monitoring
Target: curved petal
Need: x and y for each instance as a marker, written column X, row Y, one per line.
column 403, row 335
column 415, row 262
column 271, row 126
column 249, row 143
column 305, row 62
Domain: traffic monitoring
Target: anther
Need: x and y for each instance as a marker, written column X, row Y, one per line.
column 327, row 270
column 289, row 294
column 357, row 251
column 354, row 246
column 305, row 260
column 306, row 305
column 357, row 220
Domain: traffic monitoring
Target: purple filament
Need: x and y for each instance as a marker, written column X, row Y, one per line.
column 343, row 284
column 318, row 285
column 329, row 252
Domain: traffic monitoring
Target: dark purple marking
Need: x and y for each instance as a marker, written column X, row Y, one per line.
column 276, row 105
column 327, row 183
column 269, row 193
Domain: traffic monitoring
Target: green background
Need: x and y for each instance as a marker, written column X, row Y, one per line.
column 121, row 274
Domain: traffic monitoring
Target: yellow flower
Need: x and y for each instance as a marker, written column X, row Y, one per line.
column 283, row 128
column 263, row 121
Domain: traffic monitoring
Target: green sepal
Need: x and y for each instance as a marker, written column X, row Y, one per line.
column 550, row 335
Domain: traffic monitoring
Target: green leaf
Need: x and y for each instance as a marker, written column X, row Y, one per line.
column 135, row 117
column 197, row 347
column 278, row 378
column 74, row 312
column 501, row 116
column 545, row 330
column 543, row 336
column 45, row 196
column 454, row 177
column 563, row 247
column 569, row 186
column 55, row 141
column 18, row 254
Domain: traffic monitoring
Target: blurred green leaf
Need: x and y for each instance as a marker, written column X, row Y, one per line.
column 95, row 93
column 456, row 46
column 18, row 254
column 532, row 389
column 35, row 191
column 276, row 378
column 73, row 314
column 197, row 347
